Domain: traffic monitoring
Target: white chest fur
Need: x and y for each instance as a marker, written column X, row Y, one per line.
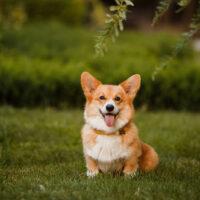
column 108, row 149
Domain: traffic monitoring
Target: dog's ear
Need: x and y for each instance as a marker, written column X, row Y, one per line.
column 89, row 83
column 131, row 85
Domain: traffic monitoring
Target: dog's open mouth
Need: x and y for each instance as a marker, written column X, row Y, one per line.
column 109, row 118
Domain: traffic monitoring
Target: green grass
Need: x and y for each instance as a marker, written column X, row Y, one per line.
column 41, row 157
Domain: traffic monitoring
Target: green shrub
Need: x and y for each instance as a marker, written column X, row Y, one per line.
column 71, row 12
column 41, row 65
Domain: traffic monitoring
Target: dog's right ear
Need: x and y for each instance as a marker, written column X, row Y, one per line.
column 89, row 84
column 131, row 85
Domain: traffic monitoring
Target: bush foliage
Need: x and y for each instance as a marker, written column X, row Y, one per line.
column 71, row 12
column 41, row 64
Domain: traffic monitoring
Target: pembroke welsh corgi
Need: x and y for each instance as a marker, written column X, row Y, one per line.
column 110, row 139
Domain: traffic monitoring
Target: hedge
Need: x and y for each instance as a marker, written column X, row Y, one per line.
column 40, row 65
column 71, row 12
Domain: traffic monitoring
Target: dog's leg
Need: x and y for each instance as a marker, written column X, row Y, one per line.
column 131, row 166
column 92, row 167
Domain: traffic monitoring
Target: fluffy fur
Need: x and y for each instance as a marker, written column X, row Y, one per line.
column 112, row 151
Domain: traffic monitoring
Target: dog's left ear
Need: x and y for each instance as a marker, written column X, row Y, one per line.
column 89, row 84
column 132, row 85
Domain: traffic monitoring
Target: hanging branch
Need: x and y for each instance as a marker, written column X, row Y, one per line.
column 113, row 24
column 161, row 10
column 193, row 28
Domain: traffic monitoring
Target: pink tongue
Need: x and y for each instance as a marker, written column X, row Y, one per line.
column 110, row 120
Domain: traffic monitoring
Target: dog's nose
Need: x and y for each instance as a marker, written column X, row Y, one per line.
column 109, row 107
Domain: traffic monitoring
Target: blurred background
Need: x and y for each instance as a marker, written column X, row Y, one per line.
column 45, row 45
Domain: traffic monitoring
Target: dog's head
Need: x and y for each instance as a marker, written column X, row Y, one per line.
column 109, row 107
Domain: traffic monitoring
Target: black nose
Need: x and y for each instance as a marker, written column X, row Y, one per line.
column 109, row 107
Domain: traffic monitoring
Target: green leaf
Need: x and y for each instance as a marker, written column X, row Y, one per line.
column 183, row 3
column 107, row 21
column 129, row 3
column 114, row 8
column 118, row 2
column 116, row 30
column 121, row 27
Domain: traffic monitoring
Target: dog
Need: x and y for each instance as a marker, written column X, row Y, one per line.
column 110, row 139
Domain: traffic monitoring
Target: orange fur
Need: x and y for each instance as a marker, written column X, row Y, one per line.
column 111, row 151
column 149, row 159
column 92, row 165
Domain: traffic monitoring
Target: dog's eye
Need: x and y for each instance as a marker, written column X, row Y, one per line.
column 102, row 97
column 117, row 98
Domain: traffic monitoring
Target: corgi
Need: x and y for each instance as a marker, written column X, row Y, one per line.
column 110, row 138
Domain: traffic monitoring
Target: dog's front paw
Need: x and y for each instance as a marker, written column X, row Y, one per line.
column 91, row 174
column 131, row 174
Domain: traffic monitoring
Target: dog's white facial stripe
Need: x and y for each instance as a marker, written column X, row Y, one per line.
column 97, row 121
column 116, row 109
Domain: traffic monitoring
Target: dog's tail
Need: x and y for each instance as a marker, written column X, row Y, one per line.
column 149, row 158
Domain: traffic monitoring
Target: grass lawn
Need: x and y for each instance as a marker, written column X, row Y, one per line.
column 41, row 157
